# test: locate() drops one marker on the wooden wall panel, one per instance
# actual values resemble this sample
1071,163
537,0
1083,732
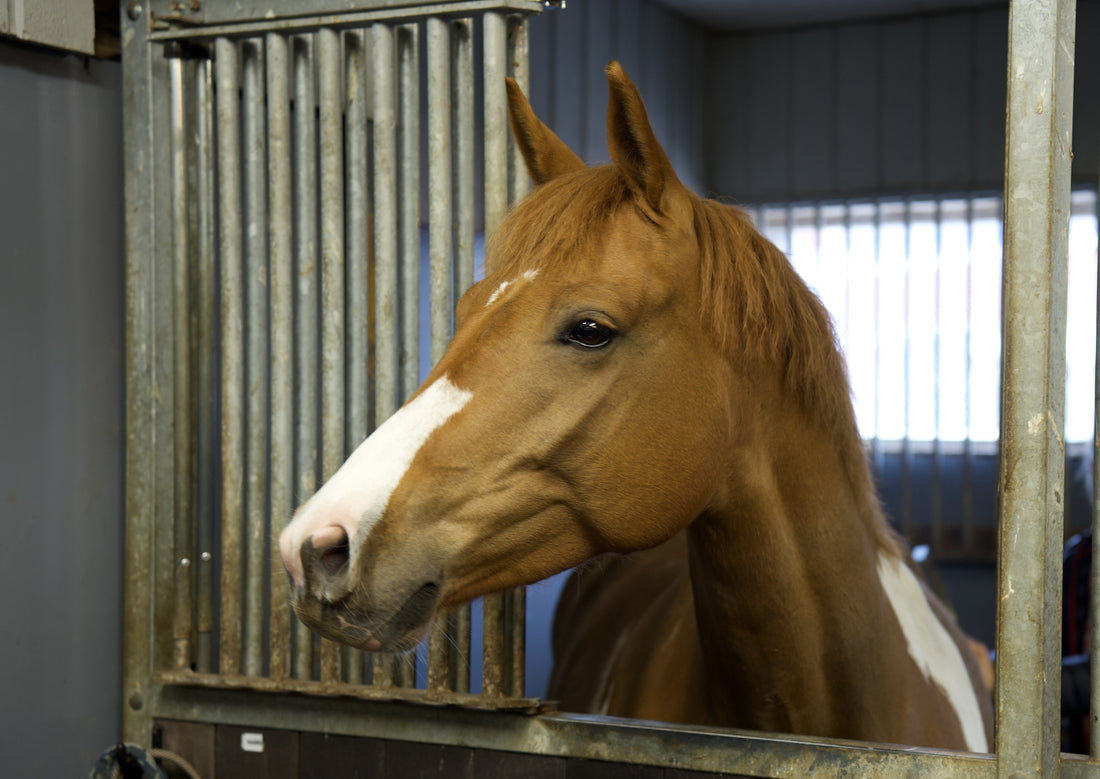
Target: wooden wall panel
272,754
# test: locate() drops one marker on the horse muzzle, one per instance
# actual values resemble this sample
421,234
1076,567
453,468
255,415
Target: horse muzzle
335,603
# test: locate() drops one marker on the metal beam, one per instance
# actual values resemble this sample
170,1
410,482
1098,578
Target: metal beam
1037,167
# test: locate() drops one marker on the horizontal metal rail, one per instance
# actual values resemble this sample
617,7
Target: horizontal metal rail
342,21
570,735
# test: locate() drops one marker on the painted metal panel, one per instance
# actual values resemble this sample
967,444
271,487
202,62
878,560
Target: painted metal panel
812,104
855,168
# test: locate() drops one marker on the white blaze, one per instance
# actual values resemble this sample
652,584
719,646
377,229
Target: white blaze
356,496
527,275
931,646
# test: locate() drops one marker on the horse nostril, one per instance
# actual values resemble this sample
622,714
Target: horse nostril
327,554
335,558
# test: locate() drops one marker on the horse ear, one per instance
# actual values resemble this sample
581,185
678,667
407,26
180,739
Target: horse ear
546,154
632,143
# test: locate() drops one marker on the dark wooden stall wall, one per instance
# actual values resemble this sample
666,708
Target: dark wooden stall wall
215,752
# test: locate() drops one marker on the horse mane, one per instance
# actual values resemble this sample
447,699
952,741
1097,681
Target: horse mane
755,304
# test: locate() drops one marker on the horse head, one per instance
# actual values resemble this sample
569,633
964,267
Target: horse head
579,408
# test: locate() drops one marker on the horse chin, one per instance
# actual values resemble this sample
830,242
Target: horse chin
342,621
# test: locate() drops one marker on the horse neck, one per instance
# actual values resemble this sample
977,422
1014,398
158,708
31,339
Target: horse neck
783,568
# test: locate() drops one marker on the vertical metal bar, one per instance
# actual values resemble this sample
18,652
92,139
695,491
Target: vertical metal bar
357,271
227,69
181,373
280,218
206,231
518,58
494,30
385,248
408,123
408,70
440,213
495,33
440,237
305,333
139,73
1094,601
969,535
332,279
937,368
255,265
462,201
1037,167
906,441
462,106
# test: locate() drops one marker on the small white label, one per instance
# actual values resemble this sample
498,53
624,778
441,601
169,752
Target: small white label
252,742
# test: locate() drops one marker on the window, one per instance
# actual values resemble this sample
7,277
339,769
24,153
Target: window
914,287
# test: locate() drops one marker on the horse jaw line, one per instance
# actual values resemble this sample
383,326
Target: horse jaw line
356,496
527,275
932,648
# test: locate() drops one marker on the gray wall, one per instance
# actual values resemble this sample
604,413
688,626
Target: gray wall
61,401
890,107
664,54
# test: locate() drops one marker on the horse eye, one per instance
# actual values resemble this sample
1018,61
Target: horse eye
590,334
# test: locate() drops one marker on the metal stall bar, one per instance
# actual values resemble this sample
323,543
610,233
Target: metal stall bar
280,245
256,286
462,202
332,279
305,332
495,35
1037,167
357,272
518,59
139,73
439,257
1094,579
385,249
206,229
227,68
407,318
183,443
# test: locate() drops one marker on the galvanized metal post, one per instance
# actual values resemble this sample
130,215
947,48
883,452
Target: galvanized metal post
232,350
496,202
1037,167
280,218
181,373
439,255
138,70
255,379
306,272
332,278
357,270
384,111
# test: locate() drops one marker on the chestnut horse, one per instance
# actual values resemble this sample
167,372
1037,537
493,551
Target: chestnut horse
642,370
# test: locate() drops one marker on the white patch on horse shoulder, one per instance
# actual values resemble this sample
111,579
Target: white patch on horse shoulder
931,646
527,275
357,494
